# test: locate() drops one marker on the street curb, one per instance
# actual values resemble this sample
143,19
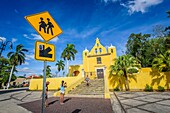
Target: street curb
12,90
116,105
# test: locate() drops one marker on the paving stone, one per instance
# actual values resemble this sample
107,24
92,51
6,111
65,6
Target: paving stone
164,102
132,102
156,108
136,110
148,99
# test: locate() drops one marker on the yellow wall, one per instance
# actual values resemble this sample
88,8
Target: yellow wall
73,68
147,76
36,84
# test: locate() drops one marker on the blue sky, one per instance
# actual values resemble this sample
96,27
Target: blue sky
81,21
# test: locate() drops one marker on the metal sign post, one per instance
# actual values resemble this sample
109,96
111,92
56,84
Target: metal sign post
48,29
44,87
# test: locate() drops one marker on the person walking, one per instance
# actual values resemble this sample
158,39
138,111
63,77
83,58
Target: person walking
46,94
62,91
87,79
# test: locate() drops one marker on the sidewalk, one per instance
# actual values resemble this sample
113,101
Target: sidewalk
132,102
30,102
143,102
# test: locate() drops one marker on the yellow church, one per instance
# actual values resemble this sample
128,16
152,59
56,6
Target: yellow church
96,62
96,65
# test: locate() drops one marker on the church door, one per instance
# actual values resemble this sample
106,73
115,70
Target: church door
100,73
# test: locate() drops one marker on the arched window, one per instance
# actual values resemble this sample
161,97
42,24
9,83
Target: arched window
97,45
111,50
100,50
99,60
96,51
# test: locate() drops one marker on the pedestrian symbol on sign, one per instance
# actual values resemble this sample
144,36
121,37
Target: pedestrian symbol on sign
47,27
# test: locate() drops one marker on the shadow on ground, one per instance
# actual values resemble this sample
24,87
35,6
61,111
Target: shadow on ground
72,105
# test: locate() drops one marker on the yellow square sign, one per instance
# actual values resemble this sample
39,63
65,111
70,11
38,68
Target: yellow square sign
44,51
45,25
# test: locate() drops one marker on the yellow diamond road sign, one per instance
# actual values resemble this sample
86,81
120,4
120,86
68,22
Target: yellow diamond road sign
45,25
44,51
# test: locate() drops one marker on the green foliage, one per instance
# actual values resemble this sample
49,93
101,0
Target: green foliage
116,89
148,88
60,65
136,46
132,70
168,12
17,57
161,89
119,71
48,71
69,75
21,76
69,52
162,62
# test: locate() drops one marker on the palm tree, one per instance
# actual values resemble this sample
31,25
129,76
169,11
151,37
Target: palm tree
121,67
16,58
60,65
69,53
48,71
162,62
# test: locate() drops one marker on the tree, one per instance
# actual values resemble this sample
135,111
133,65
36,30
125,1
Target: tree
60,65
168,12
136,46
121,67
48,71
162,62
159,31
69,53
167,29
16,58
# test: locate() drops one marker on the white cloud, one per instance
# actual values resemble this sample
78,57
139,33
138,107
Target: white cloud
25,70
34,37
29,57
38,37
83,34
26,36
3,38
106,1
16,11
140,5
26,63
14,40
55,39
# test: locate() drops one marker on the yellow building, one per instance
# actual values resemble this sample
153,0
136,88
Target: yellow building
97,61
96,64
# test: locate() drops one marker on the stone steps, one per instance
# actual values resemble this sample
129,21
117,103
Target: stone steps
96,87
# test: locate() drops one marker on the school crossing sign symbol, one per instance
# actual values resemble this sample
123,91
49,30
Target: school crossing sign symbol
44,51
45,25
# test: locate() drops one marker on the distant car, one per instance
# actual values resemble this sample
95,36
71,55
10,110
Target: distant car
25,84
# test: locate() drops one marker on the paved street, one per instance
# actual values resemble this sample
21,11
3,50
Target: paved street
132,102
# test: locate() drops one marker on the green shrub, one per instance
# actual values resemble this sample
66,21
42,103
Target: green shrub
148,88
132,70
161,89
116,89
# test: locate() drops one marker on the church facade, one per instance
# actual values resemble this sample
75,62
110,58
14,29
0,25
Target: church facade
96,62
